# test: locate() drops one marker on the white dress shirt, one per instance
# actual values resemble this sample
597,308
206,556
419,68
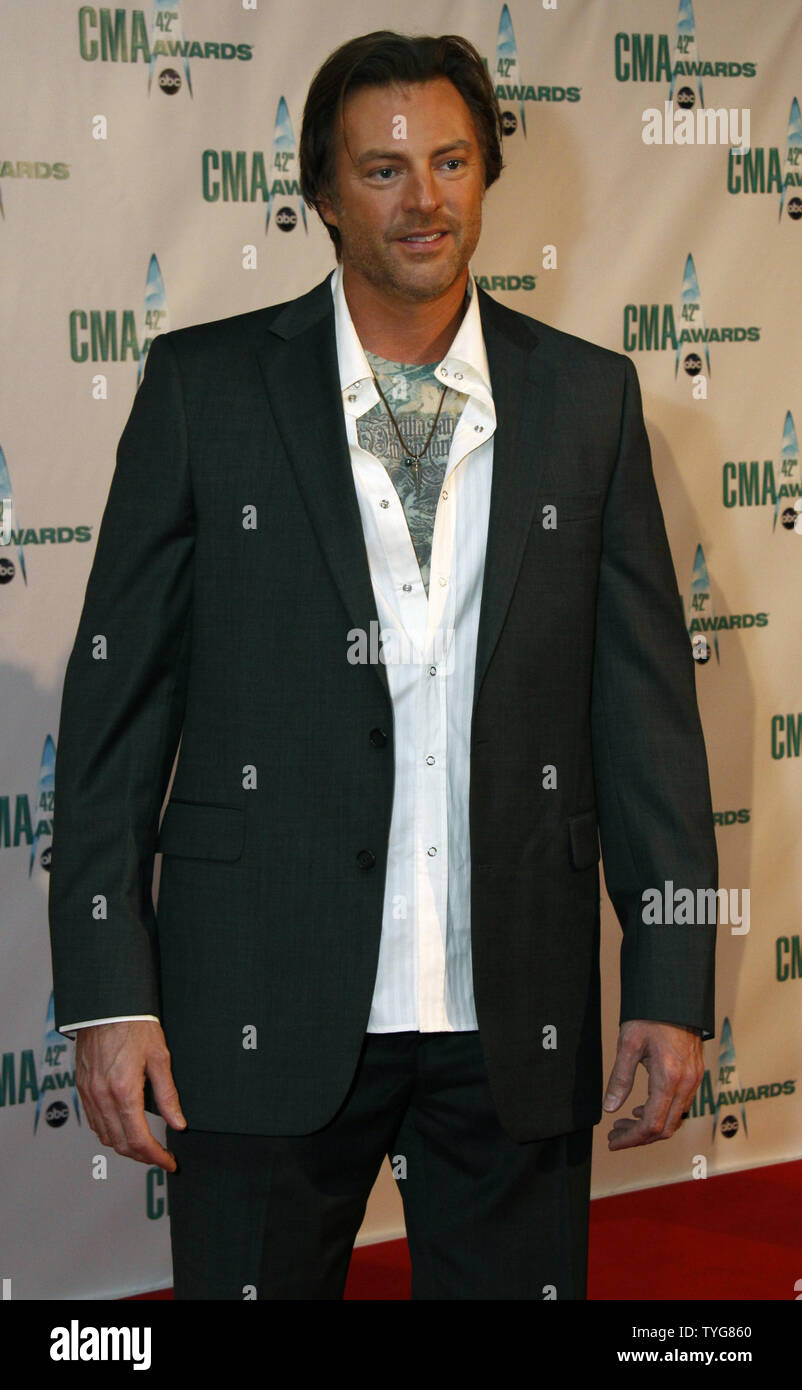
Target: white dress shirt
424,979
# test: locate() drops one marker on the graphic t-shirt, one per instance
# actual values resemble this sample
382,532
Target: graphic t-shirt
413,393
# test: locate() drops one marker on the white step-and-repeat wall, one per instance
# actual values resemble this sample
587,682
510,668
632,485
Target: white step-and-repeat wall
148,180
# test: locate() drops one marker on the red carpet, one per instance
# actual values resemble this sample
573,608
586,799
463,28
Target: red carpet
735,1236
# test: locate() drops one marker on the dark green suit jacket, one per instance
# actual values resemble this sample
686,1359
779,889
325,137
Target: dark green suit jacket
233,638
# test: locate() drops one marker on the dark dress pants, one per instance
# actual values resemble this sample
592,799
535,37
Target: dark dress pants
266,1217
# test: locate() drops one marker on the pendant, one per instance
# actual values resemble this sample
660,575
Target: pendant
415,464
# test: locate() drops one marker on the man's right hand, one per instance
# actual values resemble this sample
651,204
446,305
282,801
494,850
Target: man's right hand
111,1060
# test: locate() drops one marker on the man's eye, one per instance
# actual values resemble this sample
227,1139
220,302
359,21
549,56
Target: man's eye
386,170
455,161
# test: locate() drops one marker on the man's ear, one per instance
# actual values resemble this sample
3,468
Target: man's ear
326,209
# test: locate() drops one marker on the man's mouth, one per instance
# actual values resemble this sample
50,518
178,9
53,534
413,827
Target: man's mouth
424,236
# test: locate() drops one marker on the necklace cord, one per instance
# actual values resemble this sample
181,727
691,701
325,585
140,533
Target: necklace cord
411,458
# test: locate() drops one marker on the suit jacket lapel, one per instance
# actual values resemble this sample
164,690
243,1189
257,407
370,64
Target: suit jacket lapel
523,396
298,360
299,364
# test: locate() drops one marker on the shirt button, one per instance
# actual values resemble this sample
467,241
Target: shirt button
458,376
430,760
479,429
432,850
444,371
407,588
444,494
352,397
432,670
384,502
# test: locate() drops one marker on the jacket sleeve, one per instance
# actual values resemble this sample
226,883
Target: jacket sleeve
121,714
650,765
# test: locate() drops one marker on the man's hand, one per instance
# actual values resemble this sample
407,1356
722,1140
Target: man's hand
111,1060
672,1055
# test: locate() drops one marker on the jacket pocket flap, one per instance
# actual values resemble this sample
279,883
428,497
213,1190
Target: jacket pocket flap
573,506
584,832
200,830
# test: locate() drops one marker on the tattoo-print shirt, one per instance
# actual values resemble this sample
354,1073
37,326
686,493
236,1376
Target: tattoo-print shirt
413,394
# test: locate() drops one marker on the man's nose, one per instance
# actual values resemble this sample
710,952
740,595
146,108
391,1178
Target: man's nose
421,190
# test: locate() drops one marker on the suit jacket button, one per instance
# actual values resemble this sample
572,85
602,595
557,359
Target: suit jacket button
366,859
378,738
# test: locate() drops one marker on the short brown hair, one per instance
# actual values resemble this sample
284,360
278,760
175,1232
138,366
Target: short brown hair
383,59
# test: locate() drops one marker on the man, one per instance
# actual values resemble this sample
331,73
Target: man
389,559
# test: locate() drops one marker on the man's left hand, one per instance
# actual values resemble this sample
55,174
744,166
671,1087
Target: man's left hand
672,1055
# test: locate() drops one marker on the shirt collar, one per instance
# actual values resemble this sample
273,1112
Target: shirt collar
464,366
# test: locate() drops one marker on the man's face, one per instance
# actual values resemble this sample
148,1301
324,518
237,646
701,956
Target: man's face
412,165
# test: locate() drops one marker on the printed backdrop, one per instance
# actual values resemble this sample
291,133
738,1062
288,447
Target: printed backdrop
148,179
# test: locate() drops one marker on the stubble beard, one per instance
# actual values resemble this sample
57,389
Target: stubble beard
379,266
